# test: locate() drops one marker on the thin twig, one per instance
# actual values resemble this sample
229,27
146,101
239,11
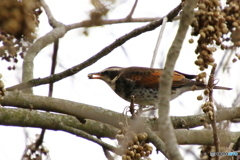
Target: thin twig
222,61
90,23
50,92
132,11
105,51
212,111
90,138
52,21
106,152
39,141
154,139
54,63
131,107
158,41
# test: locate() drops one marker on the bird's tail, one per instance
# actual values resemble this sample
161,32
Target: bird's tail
220,87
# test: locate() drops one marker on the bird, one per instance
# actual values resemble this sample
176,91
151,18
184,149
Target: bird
143,83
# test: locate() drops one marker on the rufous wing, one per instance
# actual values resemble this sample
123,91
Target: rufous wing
150,78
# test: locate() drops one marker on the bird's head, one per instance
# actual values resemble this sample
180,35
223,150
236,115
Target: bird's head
107,75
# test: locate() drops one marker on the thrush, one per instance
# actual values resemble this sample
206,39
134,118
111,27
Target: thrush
143,83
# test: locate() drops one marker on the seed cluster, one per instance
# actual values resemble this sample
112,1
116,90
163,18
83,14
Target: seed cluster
18,20
205,92
133,145
213,24
208,108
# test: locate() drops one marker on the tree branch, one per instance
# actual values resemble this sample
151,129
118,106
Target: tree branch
132,11
51,37
89,137
154,139
51,121
158,42
54,24
36,119
211,112
37,46
81,110
90,23
165,125
52,21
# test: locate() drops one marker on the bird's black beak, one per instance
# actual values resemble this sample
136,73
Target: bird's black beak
95,75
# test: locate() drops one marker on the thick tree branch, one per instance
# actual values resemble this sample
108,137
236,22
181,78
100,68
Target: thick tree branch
199,120
203,137
51,121
80,110
36,119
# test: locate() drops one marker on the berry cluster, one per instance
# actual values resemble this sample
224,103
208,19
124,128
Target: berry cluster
212,23
18,20
133,145
207,107
206,93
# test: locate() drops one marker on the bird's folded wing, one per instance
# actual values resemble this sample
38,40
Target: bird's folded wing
151,78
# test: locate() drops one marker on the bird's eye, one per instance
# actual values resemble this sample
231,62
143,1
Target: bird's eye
106,72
